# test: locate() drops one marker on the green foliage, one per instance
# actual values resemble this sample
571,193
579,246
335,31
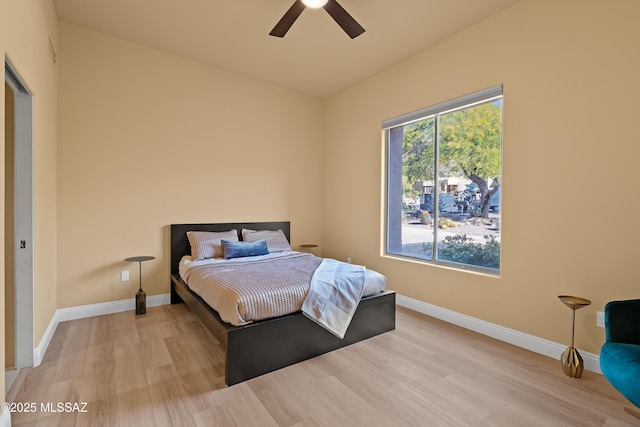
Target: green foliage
418,145
463,250
470,141
469,144
407,188
471,138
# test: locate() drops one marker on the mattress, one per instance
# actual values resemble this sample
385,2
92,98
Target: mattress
245,290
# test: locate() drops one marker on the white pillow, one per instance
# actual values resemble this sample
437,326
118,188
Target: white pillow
206,244
276,240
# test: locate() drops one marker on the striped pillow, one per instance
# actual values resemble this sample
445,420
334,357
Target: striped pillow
243,249
276,240
206,244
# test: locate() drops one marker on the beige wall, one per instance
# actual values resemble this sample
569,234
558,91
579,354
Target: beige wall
143,133
147,139
570,153
24,38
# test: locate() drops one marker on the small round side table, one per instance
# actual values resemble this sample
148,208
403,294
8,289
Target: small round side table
572,363
141,296
308,246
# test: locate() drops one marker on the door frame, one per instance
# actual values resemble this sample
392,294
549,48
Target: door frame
23,222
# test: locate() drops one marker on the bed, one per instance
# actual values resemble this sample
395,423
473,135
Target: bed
264,346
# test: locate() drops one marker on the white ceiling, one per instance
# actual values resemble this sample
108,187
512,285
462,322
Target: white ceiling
315,57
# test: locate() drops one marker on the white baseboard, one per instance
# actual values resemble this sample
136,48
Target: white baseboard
511,336
91,310
5,419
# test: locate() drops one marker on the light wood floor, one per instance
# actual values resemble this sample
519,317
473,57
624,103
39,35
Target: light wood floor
164,369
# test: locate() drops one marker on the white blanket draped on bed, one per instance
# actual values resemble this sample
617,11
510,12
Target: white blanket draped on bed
335,291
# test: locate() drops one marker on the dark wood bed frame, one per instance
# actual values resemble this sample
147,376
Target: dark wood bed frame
268,345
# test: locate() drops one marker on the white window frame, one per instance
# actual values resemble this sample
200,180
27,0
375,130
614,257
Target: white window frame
480,97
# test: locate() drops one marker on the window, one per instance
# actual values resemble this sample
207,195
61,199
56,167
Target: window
446,156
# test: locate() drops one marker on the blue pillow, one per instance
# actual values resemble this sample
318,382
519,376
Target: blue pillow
232,249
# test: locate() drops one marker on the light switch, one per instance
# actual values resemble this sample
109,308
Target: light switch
124,276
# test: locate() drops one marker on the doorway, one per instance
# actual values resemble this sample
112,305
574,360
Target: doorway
19,221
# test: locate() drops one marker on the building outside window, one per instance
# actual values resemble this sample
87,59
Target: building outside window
446,156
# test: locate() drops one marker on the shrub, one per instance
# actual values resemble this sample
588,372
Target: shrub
475,210
446,223
425,218
462,249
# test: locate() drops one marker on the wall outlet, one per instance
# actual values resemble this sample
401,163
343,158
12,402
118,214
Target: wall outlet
124,276
349,260
600,319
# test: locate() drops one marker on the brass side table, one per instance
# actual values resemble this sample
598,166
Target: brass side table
308,246
141,296
572,363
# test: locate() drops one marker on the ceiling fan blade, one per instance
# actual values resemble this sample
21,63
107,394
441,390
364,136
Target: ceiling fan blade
342,17
288,19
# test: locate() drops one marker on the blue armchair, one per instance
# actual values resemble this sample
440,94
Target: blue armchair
620,354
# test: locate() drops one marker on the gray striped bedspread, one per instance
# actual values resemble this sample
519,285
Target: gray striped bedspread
245,290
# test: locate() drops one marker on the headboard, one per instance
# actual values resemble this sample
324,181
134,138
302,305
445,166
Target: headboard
180,244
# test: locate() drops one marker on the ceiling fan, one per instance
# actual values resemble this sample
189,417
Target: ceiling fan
337,12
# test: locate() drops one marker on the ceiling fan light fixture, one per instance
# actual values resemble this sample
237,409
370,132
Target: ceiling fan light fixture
314,4
332,7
